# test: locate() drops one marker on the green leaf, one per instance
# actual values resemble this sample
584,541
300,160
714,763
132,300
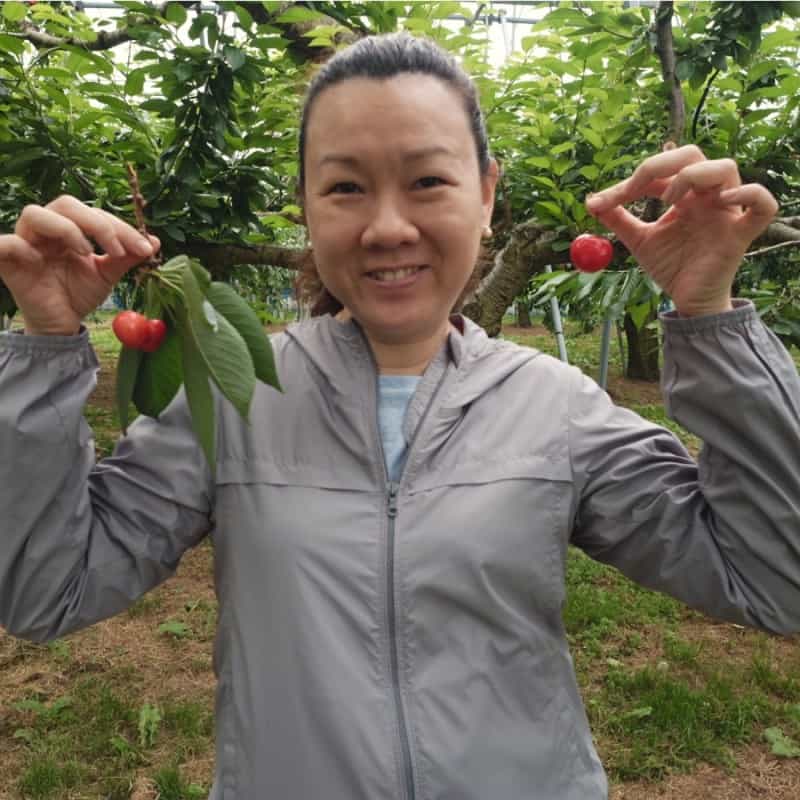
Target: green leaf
160,376
14,12
12,44
14,166
684,69
176,14
176,628
127,370
782,745
298,14
592,137
546,208
134,83
562,148
224,351
201,275
234,56
198,393
225,300
539,161
640,313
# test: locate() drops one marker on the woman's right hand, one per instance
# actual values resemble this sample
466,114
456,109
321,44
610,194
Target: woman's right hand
50,266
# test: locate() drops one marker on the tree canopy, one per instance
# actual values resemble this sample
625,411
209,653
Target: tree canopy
205,105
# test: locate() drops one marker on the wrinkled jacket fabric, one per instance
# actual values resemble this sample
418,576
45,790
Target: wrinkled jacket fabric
382,640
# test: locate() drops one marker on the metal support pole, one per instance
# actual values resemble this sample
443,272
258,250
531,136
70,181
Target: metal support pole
555,311
605,346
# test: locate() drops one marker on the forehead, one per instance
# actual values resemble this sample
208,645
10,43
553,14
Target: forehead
407,110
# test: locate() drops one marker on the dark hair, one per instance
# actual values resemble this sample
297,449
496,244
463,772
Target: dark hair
381,57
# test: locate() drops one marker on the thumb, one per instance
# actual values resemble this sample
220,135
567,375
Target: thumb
624,225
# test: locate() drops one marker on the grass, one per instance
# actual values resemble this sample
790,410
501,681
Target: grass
662,694
132,699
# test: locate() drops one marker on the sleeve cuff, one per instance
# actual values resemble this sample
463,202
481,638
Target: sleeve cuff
743,312
19,341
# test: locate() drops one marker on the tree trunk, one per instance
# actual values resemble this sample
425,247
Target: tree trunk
527,251
523,314
643,351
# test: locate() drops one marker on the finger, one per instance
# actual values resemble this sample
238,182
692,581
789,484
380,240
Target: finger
705,176
664,165
36,222
14,250
760,207
93,221
112,268
130,238
627,228
653,189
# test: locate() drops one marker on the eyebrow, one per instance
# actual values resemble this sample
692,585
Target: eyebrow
413,155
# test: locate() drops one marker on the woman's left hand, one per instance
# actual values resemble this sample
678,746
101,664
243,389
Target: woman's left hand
694,249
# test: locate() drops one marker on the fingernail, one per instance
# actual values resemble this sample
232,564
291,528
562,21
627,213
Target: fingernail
595,201
142,247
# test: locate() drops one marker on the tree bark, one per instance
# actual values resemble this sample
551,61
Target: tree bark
643,351
523,314
219,259
527,251
643,346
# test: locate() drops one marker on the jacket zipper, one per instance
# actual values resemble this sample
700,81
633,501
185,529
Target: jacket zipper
392,489
391,511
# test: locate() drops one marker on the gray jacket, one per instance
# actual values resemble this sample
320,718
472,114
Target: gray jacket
382,640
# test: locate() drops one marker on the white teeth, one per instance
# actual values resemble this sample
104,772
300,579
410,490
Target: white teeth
394,274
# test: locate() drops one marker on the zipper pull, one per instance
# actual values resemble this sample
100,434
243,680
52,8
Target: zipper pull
392,500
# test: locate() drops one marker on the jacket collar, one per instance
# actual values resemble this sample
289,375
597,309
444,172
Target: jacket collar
341,353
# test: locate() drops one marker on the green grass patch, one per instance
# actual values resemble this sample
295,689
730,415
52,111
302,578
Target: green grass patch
97,736
607,615
583,349
656,722
171,786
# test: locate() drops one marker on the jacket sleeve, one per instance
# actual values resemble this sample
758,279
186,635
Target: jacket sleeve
722,534
81,541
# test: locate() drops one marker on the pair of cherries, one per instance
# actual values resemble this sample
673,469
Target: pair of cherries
138,332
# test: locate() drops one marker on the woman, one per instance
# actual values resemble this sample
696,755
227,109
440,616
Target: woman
391,531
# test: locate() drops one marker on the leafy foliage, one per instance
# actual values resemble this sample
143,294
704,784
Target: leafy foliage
206,106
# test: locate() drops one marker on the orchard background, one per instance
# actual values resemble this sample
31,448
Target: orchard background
203,100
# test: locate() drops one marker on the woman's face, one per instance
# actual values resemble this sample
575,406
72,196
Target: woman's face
394,201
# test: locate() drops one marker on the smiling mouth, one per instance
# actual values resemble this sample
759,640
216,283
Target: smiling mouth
390,275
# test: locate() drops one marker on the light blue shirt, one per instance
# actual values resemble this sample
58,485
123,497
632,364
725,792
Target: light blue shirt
394,394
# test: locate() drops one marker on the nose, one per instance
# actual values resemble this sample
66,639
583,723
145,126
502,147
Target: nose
389,225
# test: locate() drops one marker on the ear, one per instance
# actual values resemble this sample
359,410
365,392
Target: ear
488,186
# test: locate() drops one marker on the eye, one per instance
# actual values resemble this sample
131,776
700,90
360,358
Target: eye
344,187
429,182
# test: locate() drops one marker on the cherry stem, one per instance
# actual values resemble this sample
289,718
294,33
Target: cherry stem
153,262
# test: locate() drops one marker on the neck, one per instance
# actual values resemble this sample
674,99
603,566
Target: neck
408,358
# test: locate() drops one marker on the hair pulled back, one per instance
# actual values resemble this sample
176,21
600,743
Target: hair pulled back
381,57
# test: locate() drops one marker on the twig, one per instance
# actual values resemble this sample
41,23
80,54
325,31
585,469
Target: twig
772,247
696,117
138,209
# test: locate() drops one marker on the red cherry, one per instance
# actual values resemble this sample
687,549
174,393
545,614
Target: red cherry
590,253
155,332
130,327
